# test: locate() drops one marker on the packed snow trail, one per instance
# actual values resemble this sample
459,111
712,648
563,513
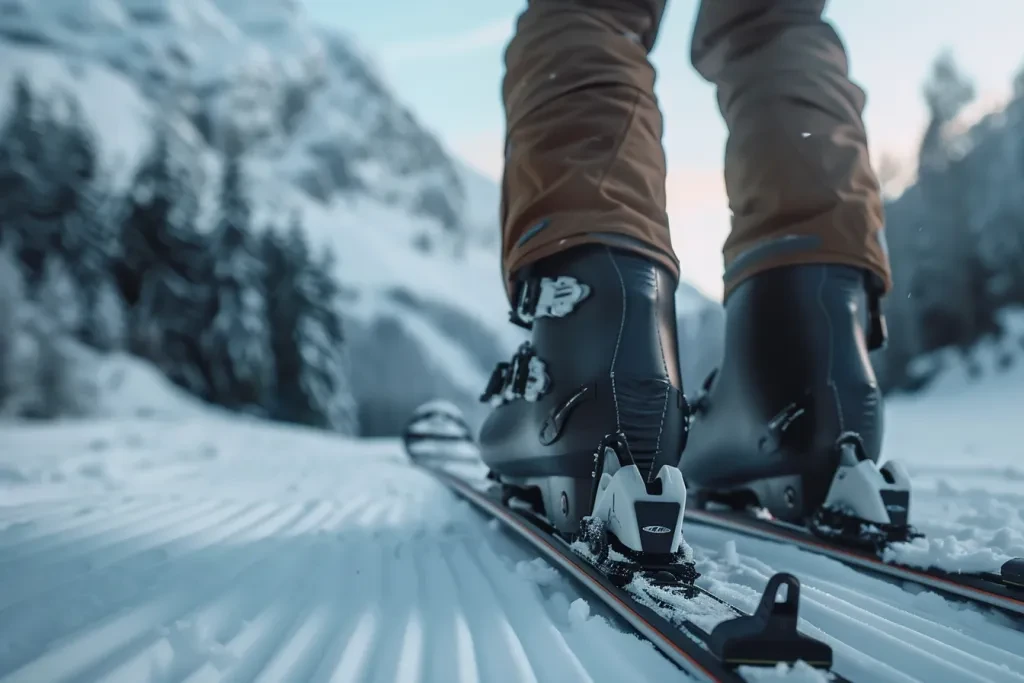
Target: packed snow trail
225,550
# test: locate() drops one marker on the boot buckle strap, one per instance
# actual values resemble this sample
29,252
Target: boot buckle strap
545,297
524,377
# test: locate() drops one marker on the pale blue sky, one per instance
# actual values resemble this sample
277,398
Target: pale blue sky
445,61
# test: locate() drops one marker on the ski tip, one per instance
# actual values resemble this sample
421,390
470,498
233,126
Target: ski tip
437,430
1012,572
438,406
769,636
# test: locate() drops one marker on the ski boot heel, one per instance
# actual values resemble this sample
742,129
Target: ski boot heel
769,635
867,506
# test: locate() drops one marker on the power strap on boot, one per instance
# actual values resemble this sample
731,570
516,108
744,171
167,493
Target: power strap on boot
545,297
524,377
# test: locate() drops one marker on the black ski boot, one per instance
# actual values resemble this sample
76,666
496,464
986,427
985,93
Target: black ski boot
792,421
593,406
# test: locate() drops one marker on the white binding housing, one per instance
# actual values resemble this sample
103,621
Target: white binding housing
619,490
857,490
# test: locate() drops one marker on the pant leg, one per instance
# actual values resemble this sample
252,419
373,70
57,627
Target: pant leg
797,172
584,162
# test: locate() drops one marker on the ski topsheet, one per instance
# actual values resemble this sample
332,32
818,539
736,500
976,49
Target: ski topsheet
1003,590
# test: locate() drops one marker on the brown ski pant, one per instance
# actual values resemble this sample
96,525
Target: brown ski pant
584,162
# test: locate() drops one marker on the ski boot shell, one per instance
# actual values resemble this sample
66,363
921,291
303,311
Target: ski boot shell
792,422
602,360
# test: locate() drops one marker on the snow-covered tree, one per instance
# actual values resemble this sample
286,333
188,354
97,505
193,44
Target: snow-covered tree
306,335
21,144
237,344
105,324
951,276
160,216
164,264
12,314
324,377
57,296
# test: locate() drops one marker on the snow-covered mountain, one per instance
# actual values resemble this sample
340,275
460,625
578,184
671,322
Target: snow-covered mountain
415,230
301,96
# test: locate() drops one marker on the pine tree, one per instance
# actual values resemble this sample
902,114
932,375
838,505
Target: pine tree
161,215
51,196
949,279
12,304
283,263
21,147
26,191
148,207
164,264
70,161
325,376
237,344
88,236
104,324
307,335
57,296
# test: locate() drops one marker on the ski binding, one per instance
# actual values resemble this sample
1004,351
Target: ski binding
866,506
636,526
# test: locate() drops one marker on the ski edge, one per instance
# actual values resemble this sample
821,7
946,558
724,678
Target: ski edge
966,588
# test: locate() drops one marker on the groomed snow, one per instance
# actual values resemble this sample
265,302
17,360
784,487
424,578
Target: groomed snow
173,553
195,547
963,440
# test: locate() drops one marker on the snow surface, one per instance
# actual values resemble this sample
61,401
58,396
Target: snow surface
193,546
963,442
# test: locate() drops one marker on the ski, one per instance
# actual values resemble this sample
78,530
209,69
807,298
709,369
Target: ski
1003,590
865,512
657,599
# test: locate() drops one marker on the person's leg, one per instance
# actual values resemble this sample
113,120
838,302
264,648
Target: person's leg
795,398
584,162
588,262
799,181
